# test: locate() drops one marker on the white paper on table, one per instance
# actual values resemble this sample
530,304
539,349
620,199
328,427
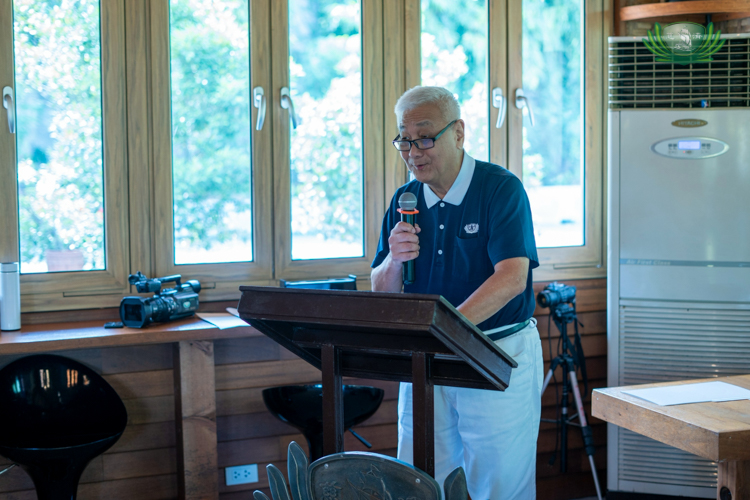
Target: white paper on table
702,392
221,320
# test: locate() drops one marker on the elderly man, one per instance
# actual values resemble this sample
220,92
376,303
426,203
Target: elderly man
473,244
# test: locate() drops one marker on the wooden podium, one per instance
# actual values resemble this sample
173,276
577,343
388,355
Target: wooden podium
414,338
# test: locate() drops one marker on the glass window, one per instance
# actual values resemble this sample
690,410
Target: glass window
59,135
454,46
211,131
553,166
325,67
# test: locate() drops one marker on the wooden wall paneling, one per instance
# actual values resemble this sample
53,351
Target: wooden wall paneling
195,419
119,360
148,436
244,350
145,410
142,463
8,190
266,374
142,488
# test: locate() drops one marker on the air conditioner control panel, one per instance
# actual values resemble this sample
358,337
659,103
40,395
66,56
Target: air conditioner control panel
690,148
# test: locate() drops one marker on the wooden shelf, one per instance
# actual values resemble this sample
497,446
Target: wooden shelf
721,10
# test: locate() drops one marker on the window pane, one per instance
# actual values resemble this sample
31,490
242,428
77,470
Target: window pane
60,162
325,66
211,114
553,148
455,42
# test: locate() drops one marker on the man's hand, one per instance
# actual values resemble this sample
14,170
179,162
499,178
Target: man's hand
403,244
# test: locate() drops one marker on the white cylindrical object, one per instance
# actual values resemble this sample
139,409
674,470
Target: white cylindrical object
10,296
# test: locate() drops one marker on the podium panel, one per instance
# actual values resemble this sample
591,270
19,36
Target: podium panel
414,338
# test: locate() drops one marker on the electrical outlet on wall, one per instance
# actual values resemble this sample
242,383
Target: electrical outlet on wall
241,474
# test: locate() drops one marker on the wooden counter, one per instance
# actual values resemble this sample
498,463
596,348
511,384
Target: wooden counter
92,334
194,381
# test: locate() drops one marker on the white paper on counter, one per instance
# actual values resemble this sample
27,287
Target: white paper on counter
221,320
702,392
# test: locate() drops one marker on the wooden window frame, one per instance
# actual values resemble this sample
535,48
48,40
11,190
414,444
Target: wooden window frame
589,260
219,281
373,138
80,289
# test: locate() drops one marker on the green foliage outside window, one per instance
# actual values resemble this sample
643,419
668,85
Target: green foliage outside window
59,136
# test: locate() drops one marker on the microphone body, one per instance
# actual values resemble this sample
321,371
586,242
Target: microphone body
409,274
408,210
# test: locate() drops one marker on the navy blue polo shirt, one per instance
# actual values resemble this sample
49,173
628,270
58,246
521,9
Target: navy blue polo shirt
460,244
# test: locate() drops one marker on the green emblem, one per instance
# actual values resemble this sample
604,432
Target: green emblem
683,43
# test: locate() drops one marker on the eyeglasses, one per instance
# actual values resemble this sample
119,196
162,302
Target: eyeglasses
426,143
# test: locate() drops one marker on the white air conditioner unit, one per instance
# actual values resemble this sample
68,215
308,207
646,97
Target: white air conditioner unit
679,241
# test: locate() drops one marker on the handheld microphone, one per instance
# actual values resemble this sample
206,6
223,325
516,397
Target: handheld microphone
408,210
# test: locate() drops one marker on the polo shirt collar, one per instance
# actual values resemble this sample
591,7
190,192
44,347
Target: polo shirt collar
456,193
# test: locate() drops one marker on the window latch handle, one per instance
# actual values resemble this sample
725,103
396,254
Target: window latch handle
287,103
501,103
259,101
8,104
523,102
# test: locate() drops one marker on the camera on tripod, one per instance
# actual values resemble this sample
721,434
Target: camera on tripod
556,294
166,305
561,300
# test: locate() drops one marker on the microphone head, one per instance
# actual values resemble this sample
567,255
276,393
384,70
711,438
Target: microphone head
407,201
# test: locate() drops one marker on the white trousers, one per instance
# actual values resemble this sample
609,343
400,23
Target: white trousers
491,434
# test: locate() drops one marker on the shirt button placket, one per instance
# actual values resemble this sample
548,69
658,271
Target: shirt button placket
441,237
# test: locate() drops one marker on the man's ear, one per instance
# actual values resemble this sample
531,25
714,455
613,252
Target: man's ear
459,134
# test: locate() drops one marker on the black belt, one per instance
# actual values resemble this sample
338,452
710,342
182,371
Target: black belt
509,331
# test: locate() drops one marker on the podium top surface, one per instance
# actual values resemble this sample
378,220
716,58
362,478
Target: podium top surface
377,332
717,431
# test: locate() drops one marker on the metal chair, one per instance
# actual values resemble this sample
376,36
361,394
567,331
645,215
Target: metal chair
56,415
356,475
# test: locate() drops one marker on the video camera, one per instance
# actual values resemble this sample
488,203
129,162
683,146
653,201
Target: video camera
555,294
166,305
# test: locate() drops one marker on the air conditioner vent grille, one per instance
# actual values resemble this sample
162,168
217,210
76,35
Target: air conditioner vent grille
661,343
636,80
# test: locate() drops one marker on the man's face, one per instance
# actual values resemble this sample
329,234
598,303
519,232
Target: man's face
438,166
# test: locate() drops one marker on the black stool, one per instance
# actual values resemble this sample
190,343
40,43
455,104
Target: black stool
302,407
56,415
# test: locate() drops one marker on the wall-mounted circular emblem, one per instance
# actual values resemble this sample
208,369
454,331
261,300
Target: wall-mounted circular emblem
689,123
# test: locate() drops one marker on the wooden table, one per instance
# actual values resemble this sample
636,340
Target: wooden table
717,431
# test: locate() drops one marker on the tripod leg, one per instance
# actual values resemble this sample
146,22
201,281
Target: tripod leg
552,367
547,379
588,438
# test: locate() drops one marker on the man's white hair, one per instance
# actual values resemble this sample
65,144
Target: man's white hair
419,96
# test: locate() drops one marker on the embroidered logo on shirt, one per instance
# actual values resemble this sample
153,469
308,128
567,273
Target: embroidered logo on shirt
471,228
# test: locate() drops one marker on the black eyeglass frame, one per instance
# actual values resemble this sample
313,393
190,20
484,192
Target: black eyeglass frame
415,141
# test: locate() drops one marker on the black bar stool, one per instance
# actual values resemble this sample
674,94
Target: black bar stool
302,407
56,415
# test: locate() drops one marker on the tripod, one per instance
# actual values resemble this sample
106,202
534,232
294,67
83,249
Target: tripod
569,359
